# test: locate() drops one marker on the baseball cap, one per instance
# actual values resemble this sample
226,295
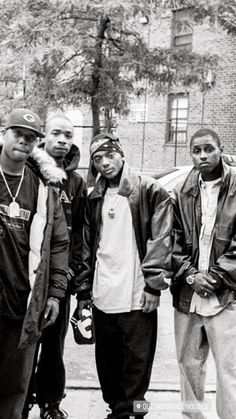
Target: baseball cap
24,118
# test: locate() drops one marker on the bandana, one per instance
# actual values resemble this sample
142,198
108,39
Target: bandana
105,142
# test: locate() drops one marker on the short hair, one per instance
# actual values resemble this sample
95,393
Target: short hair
55,115
206,131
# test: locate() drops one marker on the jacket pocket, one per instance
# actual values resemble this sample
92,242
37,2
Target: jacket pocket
223,233
220,247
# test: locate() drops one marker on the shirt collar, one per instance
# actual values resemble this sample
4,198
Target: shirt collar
202,182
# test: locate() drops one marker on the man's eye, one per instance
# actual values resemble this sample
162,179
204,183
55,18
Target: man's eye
28,137
68,136
18,132
196,150
209,149
31,138
97,160
110,156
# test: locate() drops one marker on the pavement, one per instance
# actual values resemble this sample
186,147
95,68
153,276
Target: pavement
83,394
82,403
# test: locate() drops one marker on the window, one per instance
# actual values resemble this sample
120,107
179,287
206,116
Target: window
183,40
182,31
138,112
178,118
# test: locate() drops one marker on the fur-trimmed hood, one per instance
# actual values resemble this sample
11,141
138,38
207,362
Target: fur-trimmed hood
71,160
45,166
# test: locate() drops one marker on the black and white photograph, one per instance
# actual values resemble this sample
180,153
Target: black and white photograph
117,209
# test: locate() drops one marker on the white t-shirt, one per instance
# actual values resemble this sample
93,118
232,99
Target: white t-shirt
209,306
118,280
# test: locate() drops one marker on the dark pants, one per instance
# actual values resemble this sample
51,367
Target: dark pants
125,348
48,376
15,368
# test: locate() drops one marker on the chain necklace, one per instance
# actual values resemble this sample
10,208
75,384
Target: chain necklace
14,207
111,212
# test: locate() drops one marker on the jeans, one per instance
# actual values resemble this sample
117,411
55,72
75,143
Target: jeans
194,335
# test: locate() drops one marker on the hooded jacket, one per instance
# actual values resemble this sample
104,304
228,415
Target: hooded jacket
48,254
187,225
151,211
76,190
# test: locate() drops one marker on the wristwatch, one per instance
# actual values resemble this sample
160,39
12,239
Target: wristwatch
190,279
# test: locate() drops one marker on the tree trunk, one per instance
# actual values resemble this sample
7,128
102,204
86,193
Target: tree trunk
102,27
108,120
95,115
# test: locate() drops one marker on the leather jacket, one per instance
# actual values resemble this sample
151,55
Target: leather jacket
152,216
186,230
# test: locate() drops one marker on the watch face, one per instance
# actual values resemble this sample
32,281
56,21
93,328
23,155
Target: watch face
190,279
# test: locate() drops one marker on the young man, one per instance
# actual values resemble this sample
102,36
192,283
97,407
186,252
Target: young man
204,285
126,257
49,380
34,258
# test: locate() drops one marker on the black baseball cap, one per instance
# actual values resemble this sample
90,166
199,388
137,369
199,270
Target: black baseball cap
24,118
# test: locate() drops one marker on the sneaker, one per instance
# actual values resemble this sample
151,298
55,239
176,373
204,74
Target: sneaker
52,411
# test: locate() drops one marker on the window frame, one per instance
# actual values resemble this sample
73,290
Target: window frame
182,44
172,139
177,17
138,112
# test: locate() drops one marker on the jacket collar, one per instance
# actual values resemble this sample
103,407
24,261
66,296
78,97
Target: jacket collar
71,160
45,167
127,183
191,183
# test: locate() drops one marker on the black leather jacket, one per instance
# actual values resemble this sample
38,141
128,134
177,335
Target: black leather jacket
187,224
152,215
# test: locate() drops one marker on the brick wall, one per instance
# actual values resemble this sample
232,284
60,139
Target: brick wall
145,144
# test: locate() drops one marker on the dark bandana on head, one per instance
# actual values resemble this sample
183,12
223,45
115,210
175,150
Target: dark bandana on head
105,142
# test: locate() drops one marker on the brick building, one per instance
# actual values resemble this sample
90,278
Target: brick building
157,131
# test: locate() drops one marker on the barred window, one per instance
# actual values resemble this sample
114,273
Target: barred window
178,118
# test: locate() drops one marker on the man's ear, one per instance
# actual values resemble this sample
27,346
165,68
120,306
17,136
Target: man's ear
3,131
221,148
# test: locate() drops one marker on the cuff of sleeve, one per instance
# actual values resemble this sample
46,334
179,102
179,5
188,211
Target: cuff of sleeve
57,293
151,290
83,296
218,278
76,269
54,298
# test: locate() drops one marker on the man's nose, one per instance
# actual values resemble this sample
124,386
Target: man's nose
203,155
62,139
23,139
105,161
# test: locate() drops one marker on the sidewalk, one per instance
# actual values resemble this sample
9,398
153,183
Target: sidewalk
84,399
80,359
81,403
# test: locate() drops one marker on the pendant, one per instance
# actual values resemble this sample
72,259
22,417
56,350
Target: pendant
14,209
111,213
